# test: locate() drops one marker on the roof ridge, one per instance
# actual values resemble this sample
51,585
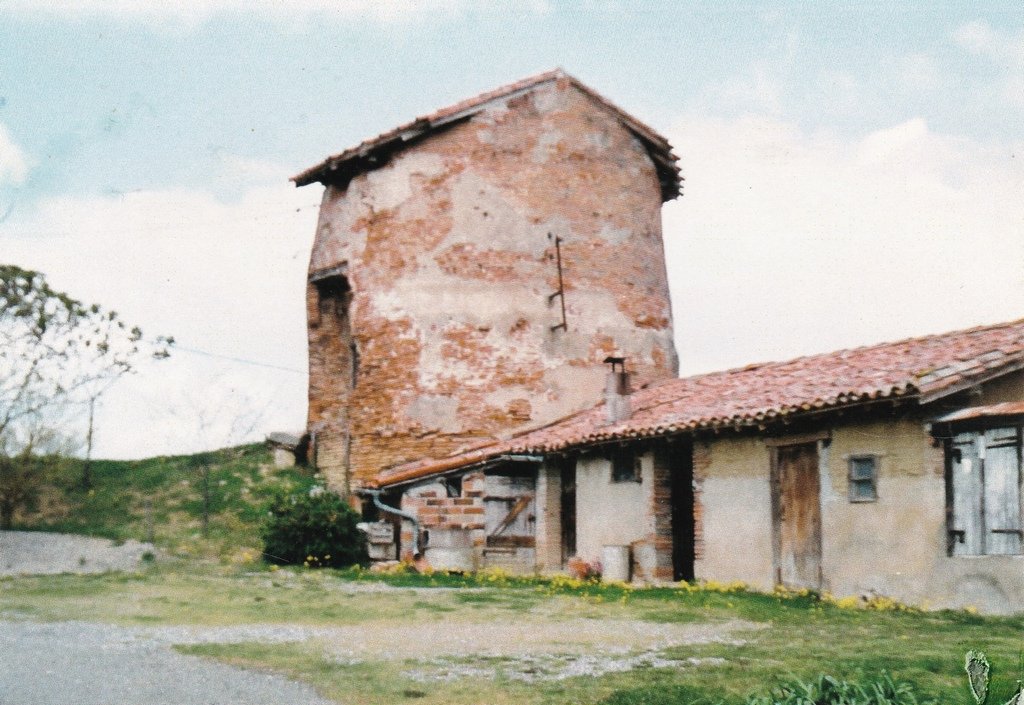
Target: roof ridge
373,151
832,353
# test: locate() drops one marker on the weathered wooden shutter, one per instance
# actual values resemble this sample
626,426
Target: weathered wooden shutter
1002,492
967,532
510,521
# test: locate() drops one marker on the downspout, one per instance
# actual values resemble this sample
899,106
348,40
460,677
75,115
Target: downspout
375,495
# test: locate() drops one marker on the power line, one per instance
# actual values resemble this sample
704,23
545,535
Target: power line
243,361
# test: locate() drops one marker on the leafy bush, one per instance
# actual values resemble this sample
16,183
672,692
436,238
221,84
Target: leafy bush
314,528
826,690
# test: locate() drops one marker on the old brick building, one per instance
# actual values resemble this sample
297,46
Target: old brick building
473,269
892,469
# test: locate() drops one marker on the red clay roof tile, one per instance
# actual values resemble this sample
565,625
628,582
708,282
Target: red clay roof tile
375,151
924,368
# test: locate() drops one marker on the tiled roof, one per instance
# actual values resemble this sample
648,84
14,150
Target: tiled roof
375,152
923,369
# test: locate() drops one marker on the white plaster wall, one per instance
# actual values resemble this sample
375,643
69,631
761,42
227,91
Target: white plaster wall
611,513
895,546
737,530
736,518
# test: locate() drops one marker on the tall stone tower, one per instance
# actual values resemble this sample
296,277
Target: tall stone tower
473,269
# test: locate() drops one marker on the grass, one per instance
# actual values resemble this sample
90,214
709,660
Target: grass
797,635
788,635
163,497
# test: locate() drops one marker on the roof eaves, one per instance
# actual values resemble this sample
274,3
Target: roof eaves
960,383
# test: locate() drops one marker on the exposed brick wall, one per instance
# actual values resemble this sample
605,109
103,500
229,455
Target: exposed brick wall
447,252
436,510
701,465
661,511
549,517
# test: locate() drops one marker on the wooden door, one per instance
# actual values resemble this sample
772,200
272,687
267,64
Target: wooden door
796,510
510,521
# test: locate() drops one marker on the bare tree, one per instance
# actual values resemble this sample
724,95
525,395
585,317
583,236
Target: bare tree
55,352
214,420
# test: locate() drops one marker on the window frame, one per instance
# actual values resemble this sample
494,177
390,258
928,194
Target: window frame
628,456
951,456
852,481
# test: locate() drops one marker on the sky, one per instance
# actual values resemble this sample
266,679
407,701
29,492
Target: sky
853,170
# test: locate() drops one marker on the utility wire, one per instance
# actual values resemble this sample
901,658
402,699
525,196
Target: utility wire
243,361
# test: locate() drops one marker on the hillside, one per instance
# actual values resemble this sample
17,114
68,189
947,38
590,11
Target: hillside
161,499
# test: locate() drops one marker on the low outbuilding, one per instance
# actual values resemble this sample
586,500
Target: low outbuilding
891,469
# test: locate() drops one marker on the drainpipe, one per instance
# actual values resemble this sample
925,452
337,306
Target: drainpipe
375,495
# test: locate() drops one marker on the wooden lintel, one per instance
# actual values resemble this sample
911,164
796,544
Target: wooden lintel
793,440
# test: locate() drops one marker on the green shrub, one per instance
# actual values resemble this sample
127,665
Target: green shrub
313,528
826,690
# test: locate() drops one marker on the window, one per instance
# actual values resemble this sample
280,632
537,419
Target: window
984,492
863,478
625,466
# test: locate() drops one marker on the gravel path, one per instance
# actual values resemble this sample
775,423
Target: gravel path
37,552
98,664
385,641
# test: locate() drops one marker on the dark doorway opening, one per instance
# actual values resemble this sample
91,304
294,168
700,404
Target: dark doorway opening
683,519
568,513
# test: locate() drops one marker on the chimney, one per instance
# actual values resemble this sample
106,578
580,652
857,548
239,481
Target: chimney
617,391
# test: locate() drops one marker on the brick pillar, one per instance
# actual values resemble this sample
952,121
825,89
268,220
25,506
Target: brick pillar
661,511
701,464
549,518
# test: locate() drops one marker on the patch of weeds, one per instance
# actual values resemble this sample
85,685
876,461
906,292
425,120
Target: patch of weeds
826,690
413,693
672,616
478,597
432,606
658,694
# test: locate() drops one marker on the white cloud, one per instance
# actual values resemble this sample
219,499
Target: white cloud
980,38
197,11
13,165
1003,49
787,242
226,279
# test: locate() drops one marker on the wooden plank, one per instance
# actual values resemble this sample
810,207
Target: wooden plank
967,530
517,508
797,510
511,542
801,439
1002,492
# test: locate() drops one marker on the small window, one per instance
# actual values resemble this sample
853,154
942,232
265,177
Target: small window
453,485
625,466
863,478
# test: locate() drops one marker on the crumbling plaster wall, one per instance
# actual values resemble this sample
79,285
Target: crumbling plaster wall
447,252
634,514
